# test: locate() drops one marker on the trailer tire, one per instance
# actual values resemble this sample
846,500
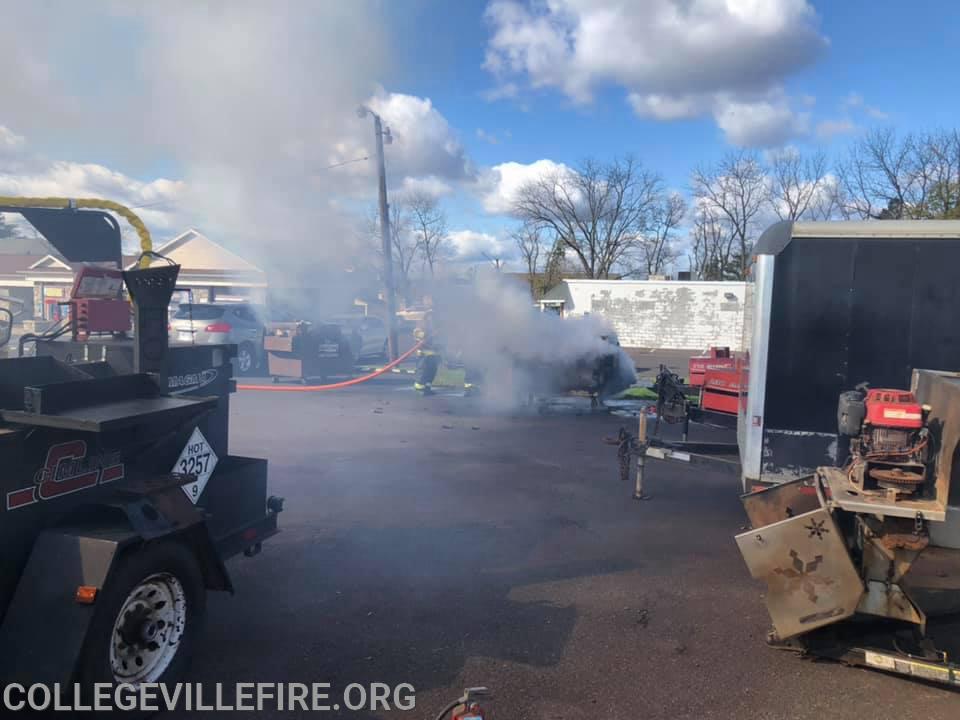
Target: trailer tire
131,641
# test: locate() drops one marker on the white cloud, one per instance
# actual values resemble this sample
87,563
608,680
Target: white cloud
487,137
429,185
761,123
675,60
424,143
10,142
498,187
853,100
473,246
25,174
666,107
829,128
501,92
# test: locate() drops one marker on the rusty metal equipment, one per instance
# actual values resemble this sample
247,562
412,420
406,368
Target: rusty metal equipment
876,539
304,350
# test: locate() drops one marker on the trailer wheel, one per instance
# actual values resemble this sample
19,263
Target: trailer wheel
147,618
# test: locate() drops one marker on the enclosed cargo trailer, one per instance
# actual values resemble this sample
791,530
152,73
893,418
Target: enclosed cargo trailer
836,304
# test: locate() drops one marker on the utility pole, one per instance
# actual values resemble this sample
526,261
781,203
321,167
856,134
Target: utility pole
390,298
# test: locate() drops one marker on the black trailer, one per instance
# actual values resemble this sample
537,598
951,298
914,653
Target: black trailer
835,304
119,498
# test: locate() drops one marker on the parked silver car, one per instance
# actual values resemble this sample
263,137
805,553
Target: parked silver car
366,334
216,323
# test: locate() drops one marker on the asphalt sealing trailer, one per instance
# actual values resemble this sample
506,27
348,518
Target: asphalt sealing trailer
119,498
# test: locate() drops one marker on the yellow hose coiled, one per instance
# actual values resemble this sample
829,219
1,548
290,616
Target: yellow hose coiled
146,244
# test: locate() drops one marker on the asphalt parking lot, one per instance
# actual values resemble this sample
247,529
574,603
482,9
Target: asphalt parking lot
428,542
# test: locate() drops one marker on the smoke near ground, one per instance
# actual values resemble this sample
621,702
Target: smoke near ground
493,326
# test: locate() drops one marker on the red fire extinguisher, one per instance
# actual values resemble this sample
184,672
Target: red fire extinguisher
470,712
466,706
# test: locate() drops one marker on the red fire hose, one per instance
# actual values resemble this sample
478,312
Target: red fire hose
333,386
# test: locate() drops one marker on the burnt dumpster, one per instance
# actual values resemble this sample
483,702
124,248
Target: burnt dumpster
304,350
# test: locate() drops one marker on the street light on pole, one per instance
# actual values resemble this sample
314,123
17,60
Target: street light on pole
380,135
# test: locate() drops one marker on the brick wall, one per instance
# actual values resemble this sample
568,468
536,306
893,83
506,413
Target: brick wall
664,314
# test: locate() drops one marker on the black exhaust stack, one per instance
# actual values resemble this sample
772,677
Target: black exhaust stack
150,289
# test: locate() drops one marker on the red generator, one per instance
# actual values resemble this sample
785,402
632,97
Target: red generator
719,376
97,304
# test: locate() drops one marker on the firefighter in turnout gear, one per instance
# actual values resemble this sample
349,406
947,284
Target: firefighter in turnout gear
428,356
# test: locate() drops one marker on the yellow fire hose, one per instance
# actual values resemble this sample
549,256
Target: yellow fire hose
146,244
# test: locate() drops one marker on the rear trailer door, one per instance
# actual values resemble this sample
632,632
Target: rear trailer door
845,311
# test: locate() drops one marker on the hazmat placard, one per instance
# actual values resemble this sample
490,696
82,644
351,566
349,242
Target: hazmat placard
199,459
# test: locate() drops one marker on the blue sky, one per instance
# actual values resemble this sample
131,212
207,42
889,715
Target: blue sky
899,61
223,115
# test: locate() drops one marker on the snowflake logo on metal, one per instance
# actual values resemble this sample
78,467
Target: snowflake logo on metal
816,527
800,575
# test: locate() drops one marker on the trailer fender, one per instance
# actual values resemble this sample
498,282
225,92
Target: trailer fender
167,513
44,624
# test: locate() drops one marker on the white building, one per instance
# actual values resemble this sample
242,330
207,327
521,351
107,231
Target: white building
211,272
660,314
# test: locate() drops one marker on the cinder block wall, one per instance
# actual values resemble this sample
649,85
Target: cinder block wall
672,315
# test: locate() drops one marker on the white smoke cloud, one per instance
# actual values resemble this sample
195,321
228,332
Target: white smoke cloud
519,349
251,101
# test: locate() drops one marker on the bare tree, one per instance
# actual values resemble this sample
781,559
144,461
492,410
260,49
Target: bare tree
734,191
497,262
712,248
826,204
656,248
877,175
884,176
598,211
941,152
429,223
529,240
404,243
556,264
798,184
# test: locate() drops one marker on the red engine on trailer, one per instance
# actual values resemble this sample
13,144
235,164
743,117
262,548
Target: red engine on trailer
888,439
97,304
893,409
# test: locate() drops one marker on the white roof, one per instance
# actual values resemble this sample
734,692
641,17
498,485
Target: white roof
878,228
193,250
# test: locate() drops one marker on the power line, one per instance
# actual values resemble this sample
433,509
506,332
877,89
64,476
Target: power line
345,162
328,167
